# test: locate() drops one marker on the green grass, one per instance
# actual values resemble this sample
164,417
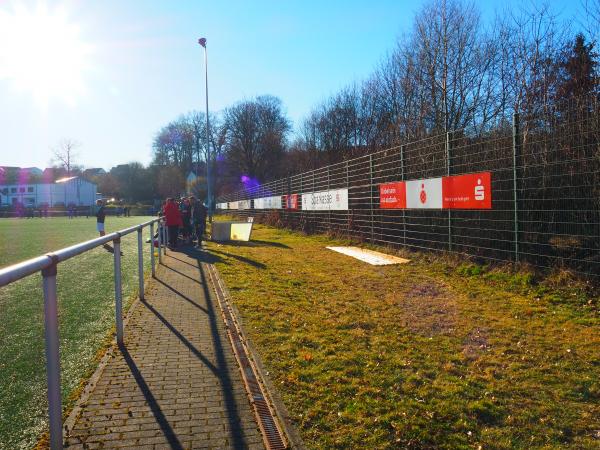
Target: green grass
432,354
86,309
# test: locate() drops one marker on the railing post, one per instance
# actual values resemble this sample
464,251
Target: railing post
516,162
160,241
152,262
52,355
140,263
448,171
118,289
166,239
402,175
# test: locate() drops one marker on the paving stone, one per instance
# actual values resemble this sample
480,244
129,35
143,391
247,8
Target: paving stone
175,383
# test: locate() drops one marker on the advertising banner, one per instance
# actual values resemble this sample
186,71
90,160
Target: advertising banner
290,201
268,203
392,195
244,204
424,194
472,191
232,205
221,205
333,200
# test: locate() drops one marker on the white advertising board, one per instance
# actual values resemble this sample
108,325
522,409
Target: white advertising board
333,200
232,205
244,204
268,202
221,205
424,194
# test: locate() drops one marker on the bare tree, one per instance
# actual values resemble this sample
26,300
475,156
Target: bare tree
65,154
256,132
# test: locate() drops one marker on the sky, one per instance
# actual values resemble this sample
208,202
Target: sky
108,75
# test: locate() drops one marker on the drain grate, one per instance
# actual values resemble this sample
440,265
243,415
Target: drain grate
273,436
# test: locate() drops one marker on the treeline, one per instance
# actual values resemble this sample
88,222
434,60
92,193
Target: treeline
451,71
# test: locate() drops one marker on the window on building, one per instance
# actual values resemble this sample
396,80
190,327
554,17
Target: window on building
13,190
30,189
21,189
30,201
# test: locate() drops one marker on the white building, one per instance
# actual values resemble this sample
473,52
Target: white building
66,191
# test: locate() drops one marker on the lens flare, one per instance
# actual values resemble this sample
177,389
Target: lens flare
41,53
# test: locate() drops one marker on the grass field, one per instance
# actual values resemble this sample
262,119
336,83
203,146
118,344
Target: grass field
86,308
432,354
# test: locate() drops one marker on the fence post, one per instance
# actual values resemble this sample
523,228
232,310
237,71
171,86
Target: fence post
140,263
328,189
52,355
402,176
448,171
118,289
348,214
516,141
371,194
152,263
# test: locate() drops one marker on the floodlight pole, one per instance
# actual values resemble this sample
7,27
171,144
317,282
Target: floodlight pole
202,42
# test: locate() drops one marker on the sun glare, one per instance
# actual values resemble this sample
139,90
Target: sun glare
42,54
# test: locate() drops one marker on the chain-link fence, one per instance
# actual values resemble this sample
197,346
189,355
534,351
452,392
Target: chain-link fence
544,182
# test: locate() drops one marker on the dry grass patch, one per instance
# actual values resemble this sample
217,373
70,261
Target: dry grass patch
424,355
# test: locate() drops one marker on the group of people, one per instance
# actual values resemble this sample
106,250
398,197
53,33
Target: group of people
186,218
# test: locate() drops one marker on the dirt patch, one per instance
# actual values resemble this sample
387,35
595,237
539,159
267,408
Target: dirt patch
428,309
475,343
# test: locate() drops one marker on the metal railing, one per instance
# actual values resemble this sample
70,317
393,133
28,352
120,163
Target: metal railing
48,266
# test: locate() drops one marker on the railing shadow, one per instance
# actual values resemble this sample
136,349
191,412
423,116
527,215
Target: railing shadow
152,403
221,368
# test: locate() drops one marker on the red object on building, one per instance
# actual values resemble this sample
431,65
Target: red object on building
290,201
472,191
392,195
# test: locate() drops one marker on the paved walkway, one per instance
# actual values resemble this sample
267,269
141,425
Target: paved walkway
175,383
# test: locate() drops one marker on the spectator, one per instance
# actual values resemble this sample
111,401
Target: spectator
172,220
199,213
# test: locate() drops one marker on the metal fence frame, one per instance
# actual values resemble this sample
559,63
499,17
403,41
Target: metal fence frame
47,265
545,168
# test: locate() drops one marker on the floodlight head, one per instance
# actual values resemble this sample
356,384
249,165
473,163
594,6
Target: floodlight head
202,42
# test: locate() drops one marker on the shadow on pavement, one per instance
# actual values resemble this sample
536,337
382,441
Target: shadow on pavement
152,403
221,369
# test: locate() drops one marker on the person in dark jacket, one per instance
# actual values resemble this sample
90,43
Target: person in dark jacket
100,217
199,213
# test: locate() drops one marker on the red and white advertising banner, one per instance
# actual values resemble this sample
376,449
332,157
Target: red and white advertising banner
424,194
290,201
471,191
392,195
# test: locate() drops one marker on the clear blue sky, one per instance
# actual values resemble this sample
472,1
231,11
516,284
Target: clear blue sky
141,66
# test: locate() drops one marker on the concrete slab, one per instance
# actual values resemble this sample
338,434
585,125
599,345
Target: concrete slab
369,256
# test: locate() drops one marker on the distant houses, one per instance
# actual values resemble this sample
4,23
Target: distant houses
33,187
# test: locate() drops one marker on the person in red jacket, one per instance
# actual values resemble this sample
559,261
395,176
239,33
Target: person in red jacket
172,220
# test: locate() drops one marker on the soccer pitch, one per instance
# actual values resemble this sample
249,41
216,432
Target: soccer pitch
86,314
